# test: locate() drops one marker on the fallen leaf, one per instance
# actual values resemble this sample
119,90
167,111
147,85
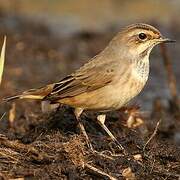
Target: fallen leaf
12,114
128,174
138,157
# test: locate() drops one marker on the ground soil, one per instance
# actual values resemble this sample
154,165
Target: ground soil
34,145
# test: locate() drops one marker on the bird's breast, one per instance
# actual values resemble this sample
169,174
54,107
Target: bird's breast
140,69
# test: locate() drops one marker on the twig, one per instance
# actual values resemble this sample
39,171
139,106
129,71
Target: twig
96,171
170,75
152,136
103,155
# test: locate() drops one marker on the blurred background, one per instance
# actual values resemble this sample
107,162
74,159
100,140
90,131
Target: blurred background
49,39
69,16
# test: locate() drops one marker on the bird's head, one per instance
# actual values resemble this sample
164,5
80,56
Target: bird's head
137,40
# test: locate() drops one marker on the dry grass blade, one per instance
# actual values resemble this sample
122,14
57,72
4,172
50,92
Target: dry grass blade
2,58
153,134
3,116
98,172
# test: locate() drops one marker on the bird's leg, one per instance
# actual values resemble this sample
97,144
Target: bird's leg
101,120
78,112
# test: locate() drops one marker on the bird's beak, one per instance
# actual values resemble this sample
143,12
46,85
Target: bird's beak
166,40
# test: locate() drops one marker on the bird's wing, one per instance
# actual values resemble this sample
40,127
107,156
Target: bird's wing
89,77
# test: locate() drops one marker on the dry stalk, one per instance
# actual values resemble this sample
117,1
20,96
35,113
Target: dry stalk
170,74
153,135
99,172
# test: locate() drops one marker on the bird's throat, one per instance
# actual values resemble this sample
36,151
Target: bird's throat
140,68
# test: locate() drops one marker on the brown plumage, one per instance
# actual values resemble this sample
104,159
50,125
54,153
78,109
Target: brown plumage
110,79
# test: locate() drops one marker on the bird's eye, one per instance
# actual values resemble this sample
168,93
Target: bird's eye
142,36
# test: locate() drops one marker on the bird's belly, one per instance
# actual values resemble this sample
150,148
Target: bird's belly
127,92
110,97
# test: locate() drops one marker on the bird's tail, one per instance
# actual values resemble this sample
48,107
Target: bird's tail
37,94
11,98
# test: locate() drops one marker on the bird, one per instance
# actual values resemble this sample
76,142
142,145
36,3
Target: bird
107,81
